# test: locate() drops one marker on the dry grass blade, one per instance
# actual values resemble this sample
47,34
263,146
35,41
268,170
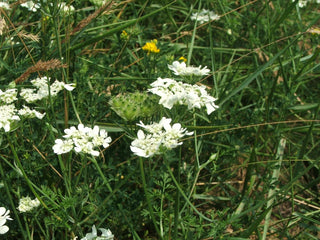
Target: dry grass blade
41,66
92,16
25,35
3,25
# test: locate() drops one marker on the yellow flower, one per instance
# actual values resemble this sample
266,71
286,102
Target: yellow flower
124,35
151,47
183,59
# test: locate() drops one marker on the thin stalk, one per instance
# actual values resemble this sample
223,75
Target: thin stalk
11,202
101,174
193,38
275,176
196,140
177,202
27,228
29,183
184,195
143,177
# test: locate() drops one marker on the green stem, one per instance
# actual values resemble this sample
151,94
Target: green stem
177,203
101,173
275,177
143,177
184,195
11,202
196,140
29,183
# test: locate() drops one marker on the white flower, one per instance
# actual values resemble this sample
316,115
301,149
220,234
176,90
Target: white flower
66,8
31,6
26,204
8,96
42,89
205,16
28,113
106,234
172,92
159,138
8,114
146,145
82,140
5,5
61,146
4,216
182,69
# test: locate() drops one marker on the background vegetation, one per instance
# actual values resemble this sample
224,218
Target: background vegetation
251,171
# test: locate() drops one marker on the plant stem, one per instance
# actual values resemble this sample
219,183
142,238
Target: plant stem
11,201
275,176
143,177
101,173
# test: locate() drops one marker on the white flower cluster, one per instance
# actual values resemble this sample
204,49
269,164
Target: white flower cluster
303,3
8,111
159,138
172,92
5,5
205,16
42,89
65,8
31,6
106,234
26,204
182,70
83,139
4,216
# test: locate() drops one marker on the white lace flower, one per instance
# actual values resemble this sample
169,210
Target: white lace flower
106,234
42,89
172,92
82,140
61,146
31,6
30,113
4,216
8,96
145,145
8,114
66,8
159,138
26,204
205,16
5,5
180,68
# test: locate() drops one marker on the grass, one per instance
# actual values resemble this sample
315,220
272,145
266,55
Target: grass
249,171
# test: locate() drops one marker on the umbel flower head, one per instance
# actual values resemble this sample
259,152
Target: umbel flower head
26,204
134,105
41,89
158,138
172,92
151,47
106,234
205,16
180,68
9,114
4,216
82,140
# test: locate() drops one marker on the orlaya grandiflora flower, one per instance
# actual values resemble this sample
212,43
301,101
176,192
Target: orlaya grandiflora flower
4,216
181,69
172,92
82,140
158,138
